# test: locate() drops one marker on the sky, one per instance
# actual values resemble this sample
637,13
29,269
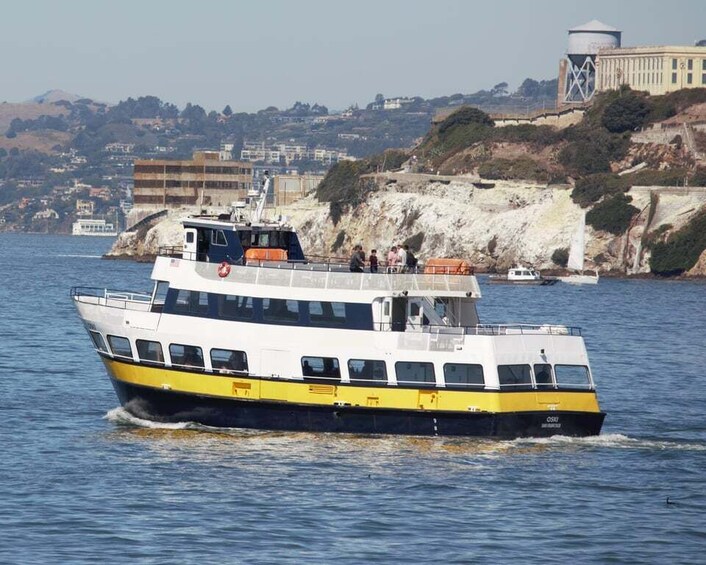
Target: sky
255,54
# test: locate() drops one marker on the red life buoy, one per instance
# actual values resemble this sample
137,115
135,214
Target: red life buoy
224,269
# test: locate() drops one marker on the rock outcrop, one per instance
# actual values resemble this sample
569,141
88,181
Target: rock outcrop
492,227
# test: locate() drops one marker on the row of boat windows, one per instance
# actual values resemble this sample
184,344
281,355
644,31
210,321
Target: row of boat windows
328,369
269,310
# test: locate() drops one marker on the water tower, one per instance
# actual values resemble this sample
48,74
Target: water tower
577,73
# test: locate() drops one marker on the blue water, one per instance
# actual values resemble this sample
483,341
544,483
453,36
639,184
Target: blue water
82,482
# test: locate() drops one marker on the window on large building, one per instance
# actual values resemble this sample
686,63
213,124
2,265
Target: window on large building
674,64
674,78
690,64
689,78
703,78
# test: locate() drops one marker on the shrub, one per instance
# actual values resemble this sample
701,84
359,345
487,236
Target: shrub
521,168
651,177
338,243
612,214
682,250
465,116
699,177
560,256
626,113
592,188
492,245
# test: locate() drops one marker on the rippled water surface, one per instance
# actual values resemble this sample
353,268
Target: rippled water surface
82,481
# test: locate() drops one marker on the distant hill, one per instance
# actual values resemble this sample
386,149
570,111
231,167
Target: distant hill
52,96
26,111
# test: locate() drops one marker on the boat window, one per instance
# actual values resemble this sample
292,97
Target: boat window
321,367
414,372
572,376
327,313
120,346
229,361
414,309
235,307
543,375
189,237
464,374
191,302
186,355
516,377
218,237
98,341
280,310
150,351
367,370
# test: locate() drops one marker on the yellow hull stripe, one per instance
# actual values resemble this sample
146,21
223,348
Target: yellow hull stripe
298,392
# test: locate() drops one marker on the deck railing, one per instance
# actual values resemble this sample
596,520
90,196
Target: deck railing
124,299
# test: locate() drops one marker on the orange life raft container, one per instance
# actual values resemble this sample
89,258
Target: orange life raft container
441,266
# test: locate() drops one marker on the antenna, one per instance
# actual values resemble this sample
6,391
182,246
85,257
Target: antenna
263,198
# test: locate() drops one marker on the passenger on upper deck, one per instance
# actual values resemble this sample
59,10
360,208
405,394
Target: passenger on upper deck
357,262
392,260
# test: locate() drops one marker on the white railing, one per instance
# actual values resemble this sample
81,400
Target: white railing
124,299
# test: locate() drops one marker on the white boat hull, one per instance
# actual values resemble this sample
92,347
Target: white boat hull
580,279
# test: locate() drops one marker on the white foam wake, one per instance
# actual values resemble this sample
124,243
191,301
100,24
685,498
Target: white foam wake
614,441
121,416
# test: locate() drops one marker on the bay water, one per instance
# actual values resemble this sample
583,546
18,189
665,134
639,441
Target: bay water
82,481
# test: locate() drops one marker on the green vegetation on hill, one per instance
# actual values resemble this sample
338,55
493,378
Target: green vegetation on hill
681,250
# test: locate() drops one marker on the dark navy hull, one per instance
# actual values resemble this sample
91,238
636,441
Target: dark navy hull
168,406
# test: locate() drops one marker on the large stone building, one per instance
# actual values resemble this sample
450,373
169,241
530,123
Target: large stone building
657,70
207,180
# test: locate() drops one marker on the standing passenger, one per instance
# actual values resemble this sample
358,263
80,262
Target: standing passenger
373,261
402,258
356,264
392,260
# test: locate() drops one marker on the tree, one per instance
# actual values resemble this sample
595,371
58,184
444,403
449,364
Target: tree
499,89
379,99
626,113
529,89
227,111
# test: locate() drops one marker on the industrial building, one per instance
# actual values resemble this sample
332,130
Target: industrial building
595,62
207,180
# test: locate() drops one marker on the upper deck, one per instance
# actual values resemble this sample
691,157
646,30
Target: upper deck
297,279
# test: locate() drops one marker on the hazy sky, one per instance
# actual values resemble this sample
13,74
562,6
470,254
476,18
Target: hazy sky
259,53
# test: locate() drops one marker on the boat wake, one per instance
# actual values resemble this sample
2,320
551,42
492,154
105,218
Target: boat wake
613,441
122,417
80,256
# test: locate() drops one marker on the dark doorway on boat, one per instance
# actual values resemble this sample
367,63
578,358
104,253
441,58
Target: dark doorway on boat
399,314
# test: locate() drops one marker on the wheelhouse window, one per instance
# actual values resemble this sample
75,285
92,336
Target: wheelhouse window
186,355
98,341
218,237
367,370
160,295
543,375
464,374
572,376
235,307
229,361
150,351
515,377
327,314
120,346
280,310
414,372
191,302
321,367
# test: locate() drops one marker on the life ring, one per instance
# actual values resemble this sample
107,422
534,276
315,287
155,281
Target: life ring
224,269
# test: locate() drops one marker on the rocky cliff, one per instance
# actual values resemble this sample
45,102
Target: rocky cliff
493,227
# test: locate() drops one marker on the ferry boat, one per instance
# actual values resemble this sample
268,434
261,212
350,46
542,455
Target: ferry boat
90,226
523,276
242,330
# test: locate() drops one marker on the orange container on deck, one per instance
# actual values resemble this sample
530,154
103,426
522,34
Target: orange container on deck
265,254
441,266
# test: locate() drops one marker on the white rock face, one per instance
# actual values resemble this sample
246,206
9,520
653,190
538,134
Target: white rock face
493,228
